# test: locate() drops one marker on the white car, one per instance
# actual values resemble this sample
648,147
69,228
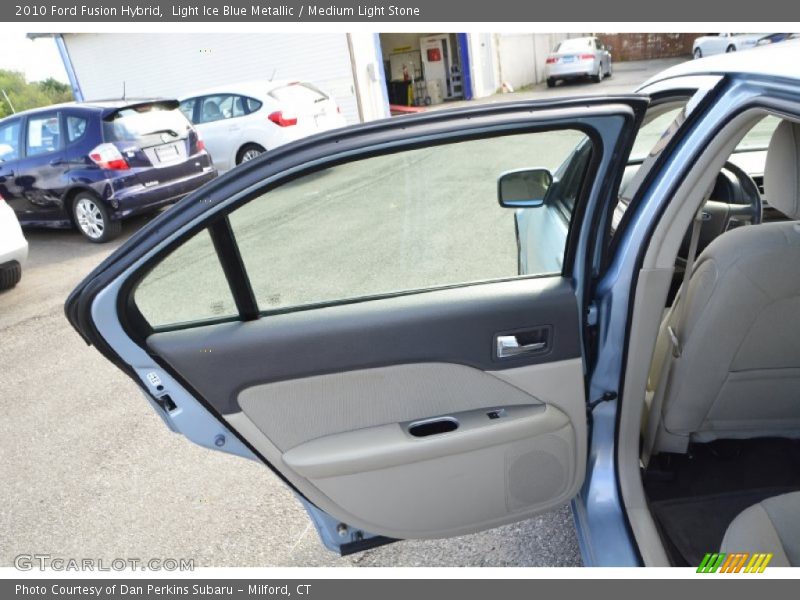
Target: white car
725,42
13,247
240,121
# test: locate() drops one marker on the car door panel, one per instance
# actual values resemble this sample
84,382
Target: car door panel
330,397
391,363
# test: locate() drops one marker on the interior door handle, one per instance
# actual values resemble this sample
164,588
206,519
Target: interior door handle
56,162
508,346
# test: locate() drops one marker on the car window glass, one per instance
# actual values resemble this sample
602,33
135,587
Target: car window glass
231,106
76,127
758,137
9,140
215,108
44,134
148,121
651,132
252,104
187,108
188,285
415,220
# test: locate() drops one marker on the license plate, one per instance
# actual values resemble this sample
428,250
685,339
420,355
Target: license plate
165,153
567,59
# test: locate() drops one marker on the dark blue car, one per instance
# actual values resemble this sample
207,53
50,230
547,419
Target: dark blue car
93,164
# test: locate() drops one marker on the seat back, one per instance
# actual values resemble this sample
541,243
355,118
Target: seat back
738,374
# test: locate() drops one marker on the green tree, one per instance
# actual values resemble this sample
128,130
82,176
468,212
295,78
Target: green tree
24,95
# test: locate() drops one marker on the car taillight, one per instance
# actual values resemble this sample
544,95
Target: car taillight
551,59
201,145
281,121
107,156
587,57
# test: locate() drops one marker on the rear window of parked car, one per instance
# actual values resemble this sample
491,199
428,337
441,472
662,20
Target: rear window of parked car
133,123
574,45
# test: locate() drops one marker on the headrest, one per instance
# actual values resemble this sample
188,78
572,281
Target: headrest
782,171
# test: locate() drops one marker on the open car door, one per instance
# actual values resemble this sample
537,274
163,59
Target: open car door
350,310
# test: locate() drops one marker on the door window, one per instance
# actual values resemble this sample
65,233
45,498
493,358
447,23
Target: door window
9,140
187,108
76,128
44,134
406,222
220,106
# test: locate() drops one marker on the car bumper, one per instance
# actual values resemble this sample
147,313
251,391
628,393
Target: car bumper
13,245
140,199
571,70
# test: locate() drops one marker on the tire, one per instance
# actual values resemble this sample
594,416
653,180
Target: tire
249,152
551,82
599,77
10,275
610,71
93,219
730,48
698,53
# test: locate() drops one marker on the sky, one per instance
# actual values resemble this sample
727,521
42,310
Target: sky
38,59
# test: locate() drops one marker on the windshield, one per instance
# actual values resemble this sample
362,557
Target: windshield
575,45
135,122
759,136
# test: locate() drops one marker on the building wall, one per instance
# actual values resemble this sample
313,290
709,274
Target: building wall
647,46
521,56
178,64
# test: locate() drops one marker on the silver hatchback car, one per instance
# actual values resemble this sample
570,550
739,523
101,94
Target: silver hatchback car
578,58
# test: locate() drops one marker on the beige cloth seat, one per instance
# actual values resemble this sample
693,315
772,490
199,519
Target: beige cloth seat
738,375
772,525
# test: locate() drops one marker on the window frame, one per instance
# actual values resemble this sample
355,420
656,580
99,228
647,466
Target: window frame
61,138
237,274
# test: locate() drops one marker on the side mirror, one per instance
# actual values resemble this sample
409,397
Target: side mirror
523,188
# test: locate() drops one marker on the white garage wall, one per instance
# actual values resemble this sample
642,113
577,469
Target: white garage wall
522,56
176,64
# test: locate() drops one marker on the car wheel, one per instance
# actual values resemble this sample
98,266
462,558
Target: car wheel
249,152
10,275
698,53
551,82
93,220
610,71
730,48
599,77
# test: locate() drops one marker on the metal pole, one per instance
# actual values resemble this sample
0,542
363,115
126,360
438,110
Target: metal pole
8,100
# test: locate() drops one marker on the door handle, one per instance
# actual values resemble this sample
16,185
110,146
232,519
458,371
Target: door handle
509,346
56,162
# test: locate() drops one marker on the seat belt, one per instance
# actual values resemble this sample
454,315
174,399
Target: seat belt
673,330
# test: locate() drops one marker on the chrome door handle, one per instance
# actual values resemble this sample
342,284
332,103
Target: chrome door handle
508,346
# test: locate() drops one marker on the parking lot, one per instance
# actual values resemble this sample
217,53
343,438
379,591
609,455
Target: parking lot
89,470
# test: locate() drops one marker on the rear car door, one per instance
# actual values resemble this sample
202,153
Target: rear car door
351,313
215,127
11,142
41,173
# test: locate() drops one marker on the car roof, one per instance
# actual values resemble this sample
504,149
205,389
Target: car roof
774,60
257,88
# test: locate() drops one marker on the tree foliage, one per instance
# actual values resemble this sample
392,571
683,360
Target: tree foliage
24,94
